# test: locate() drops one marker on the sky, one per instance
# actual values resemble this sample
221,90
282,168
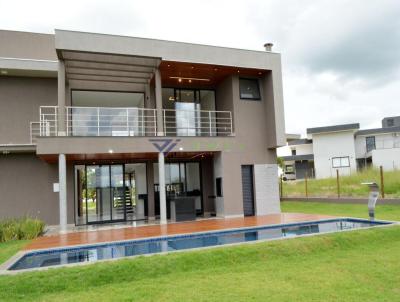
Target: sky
340,59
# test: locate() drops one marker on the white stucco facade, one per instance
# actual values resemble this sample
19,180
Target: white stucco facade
389,159
327,146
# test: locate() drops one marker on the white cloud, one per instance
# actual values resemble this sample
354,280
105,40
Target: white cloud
340,58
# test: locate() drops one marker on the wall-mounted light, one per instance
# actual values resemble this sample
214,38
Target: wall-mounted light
4,72
179,80
111,151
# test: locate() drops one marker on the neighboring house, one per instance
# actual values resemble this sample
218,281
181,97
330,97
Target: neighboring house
345,148
300,163
101,128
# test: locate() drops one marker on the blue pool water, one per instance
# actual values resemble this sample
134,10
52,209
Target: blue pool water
92,253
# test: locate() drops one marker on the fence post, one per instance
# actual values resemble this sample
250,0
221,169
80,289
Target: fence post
305,183
337,183
382,183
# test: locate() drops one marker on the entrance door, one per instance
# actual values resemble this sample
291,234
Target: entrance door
248,190
105,193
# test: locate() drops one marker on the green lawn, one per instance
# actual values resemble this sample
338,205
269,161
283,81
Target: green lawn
384,212
10,248
350,186
351,266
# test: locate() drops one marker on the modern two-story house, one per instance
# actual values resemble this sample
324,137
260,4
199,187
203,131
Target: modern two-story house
101,128
344,148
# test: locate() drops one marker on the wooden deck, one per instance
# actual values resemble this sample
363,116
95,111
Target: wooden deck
92,237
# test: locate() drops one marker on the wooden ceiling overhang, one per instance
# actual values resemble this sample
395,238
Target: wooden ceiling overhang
194,75
127,157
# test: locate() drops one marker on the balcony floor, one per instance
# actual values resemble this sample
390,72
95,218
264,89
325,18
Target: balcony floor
146,231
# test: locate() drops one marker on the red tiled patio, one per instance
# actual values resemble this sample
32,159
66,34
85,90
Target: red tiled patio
129,233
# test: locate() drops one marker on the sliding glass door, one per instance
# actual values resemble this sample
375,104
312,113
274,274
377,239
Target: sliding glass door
100,194
110,193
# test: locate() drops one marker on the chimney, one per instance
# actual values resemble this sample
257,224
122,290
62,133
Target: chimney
268,46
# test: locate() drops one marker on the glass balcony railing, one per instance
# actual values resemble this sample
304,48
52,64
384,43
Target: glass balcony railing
111,121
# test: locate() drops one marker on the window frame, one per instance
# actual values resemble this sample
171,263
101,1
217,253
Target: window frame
340,159
258,88
366,143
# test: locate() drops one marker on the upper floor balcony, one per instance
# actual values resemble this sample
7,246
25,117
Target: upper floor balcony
130,121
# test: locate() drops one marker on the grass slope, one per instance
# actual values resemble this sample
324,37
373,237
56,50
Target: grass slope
351,266
349,185
10,248
384,212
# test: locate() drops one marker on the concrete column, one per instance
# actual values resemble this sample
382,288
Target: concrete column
62,180
161,182
160,121
61,99
150,191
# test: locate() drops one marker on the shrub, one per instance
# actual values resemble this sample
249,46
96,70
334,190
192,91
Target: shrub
19,229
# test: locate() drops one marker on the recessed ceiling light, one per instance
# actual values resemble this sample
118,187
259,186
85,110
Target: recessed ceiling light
215,69
192,67
238,70
193,79
169,65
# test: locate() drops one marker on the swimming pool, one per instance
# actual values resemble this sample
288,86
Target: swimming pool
92,253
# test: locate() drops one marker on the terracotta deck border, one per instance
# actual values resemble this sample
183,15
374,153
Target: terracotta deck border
142,232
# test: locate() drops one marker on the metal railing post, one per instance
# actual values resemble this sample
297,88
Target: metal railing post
155,121
67,119
209,118
164,122
56,120
40,121
230,118
337,183
98,121
127,122
142,114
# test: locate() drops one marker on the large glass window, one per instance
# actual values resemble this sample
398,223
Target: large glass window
91,98
188,112
370,142
249,89
181,179
105,113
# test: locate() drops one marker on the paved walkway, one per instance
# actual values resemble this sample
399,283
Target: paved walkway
127,233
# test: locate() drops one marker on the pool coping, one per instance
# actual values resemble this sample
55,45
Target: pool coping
4,268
